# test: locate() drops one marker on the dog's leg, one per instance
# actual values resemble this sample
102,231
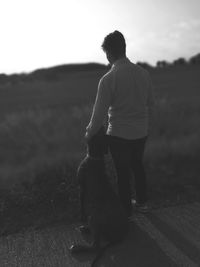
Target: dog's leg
82,205
94,246
78,248
96,239
84,228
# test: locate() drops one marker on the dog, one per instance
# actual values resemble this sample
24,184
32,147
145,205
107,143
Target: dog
101,209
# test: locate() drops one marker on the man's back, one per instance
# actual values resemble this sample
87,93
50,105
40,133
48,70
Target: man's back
131,99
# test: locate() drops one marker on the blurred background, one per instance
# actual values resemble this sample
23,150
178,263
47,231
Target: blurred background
51,62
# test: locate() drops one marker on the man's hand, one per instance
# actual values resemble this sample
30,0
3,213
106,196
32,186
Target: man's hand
88,135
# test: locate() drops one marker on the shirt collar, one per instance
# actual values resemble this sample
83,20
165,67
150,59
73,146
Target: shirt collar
120,62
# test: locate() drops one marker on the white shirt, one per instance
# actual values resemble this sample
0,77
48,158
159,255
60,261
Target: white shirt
125,94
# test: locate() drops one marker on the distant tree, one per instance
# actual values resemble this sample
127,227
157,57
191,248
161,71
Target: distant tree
180,61
145,65
3,78
195,59
162,64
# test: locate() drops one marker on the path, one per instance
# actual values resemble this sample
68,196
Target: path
166,237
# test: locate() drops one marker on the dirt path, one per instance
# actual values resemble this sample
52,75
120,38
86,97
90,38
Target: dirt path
165,237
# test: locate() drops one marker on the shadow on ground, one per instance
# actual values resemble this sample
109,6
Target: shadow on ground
137,250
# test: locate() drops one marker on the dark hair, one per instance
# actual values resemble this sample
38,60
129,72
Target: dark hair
115,44
97,146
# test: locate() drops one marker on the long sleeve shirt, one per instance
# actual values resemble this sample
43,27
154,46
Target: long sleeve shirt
125,95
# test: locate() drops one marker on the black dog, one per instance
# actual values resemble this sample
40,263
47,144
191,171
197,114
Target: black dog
101,209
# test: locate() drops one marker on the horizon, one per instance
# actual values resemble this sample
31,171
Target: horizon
94,62
41,34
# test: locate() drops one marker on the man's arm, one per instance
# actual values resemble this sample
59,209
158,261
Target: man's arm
100,109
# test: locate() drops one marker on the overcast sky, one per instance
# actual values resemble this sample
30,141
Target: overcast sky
43,33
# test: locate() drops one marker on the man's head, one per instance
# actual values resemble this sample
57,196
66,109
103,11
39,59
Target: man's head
114,46
97,145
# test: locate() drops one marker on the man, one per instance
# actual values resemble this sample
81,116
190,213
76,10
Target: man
125,94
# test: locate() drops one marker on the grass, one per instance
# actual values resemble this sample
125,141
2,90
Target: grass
41,144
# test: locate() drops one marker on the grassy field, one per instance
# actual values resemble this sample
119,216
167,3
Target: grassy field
42,126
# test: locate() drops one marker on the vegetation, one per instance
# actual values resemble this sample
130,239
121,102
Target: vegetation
42,123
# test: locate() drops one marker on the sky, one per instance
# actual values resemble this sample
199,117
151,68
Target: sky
44,33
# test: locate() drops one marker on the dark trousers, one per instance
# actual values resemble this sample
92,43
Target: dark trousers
128,159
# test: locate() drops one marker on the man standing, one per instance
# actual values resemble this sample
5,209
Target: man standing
125,94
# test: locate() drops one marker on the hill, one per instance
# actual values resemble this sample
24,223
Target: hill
52,73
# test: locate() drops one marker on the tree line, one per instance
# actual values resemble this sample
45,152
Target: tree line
195,60
55,73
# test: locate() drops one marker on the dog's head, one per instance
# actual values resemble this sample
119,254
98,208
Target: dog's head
97,146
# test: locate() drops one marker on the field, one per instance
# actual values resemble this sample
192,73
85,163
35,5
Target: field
42,125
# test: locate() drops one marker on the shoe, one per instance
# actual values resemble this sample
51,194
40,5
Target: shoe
142,208
84,229
133,201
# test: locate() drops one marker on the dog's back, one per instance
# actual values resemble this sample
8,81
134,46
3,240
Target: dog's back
101,203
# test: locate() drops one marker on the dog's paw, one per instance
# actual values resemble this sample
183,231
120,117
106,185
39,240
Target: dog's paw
76,248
